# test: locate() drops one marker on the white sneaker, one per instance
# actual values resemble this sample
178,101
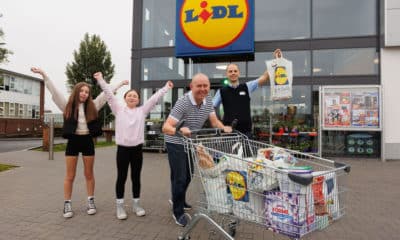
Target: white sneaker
67,213
138,209
121,214
91,209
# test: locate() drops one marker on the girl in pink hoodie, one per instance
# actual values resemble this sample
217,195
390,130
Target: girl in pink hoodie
129,137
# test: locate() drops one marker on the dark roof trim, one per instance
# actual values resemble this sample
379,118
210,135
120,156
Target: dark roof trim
4,71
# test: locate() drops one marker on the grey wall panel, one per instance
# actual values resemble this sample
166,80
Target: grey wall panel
390,4
392,19
392,151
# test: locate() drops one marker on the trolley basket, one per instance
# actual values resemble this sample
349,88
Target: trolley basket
282,190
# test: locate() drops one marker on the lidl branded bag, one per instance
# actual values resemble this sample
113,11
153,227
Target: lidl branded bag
280,71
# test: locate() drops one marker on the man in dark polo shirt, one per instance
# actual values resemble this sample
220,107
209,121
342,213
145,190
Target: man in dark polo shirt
195,107
235,97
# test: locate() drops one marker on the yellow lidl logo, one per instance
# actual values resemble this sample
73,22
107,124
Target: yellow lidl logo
281,77
213,24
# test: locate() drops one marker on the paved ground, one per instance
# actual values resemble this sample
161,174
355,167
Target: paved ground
17,144
31,200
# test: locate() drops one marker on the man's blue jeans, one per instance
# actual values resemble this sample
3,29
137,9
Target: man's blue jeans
180,175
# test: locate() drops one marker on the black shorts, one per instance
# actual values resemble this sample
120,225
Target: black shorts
80,144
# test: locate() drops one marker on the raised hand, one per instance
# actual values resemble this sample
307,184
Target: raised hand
277,53
169,84
98,76
38,70
125,82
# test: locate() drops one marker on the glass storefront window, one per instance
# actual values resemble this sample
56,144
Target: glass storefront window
300,59
285,19
153,136
217,70
356,61
158,23
162,108
163,68
290,124
344,18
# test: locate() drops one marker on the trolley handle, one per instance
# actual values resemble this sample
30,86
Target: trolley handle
196,133
215,132
206,132
345,167
303,179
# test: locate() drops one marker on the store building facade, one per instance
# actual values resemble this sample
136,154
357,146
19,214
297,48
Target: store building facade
331,43
21,104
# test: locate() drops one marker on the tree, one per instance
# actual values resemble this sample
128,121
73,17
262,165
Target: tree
4,52
91,57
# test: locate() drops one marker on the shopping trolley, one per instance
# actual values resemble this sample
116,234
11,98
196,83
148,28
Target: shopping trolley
285,191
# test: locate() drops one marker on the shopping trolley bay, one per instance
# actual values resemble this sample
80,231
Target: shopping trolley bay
285,191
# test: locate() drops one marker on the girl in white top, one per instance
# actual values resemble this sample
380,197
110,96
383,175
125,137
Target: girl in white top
80,126
129,137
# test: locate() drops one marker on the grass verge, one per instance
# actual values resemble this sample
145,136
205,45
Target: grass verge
5,167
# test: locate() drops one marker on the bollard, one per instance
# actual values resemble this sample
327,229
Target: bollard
45,141
51,139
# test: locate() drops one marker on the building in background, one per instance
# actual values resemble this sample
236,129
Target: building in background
331,43
21,104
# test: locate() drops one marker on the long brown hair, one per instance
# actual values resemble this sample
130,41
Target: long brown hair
72,108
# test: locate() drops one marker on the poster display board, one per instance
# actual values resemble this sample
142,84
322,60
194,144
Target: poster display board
352,107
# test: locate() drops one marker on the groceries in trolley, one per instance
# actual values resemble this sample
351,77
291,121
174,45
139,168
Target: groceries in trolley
272,187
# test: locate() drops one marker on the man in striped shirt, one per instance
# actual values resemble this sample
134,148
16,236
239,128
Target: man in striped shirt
195,107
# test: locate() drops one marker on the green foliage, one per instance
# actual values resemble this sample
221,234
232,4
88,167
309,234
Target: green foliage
91,57
4,167
4,52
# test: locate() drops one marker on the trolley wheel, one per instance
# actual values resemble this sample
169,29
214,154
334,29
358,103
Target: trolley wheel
186,238
232,231
232,228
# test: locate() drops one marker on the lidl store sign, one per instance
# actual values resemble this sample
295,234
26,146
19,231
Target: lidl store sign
214,27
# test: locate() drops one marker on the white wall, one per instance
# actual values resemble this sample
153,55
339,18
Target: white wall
392,19
14,97
390,79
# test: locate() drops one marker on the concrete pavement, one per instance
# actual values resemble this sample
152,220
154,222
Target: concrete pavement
31,202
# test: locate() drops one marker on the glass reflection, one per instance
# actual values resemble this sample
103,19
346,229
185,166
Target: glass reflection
300,59
158,23
164,68
284,19
343,18
359,61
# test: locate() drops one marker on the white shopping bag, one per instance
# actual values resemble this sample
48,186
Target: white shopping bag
280,71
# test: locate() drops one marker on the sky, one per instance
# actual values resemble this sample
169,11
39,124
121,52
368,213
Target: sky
45,33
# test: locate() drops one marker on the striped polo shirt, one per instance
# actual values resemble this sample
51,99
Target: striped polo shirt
194,115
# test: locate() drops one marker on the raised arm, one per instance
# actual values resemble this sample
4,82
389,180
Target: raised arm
152,101
108,91
101,99
56,95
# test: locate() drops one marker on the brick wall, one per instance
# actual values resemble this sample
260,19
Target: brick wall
20,127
